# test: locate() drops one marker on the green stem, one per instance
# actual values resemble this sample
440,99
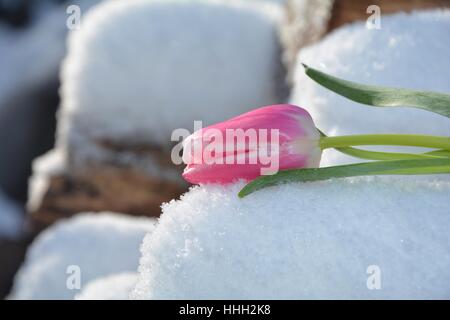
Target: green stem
439,153
377,155
412,140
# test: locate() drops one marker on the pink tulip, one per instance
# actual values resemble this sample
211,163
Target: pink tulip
278,137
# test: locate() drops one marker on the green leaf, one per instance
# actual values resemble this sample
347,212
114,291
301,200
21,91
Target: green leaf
383,96
404,167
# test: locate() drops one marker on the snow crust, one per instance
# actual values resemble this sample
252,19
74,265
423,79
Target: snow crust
302,241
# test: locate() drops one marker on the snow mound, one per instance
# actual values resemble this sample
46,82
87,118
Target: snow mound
139,69
99,244
11,218
302,241
407,51
113,287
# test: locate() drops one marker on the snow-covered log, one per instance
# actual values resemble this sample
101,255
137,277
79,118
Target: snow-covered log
137,70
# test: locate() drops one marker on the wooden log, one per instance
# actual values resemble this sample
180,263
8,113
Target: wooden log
306,22
103,186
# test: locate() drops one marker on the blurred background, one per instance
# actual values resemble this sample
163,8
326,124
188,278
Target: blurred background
32,46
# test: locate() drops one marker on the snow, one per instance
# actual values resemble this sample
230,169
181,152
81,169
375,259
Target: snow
100,244
302,241
11,218
407,51
136,69
50,164
113,287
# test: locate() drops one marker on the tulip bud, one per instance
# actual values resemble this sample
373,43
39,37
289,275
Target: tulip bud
260,142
